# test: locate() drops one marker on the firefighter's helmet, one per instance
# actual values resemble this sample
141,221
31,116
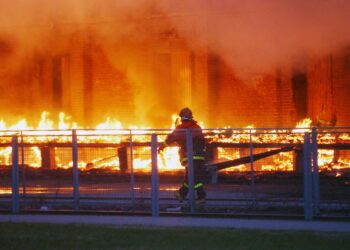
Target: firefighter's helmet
186,113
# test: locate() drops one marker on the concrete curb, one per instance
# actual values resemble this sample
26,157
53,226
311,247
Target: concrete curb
148,221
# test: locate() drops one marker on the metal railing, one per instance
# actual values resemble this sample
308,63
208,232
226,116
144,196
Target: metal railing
238,183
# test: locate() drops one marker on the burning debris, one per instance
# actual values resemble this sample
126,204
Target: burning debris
113,148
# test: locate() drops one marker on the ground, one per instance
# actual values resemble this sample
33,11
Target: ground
74,236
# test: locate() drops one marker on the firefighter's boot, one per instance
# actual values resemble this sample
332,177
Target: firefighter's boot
181,194
178,196
201,195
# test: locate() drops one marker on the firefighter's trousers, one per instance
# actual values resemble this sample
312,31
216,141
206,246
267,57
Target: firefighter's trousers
199,179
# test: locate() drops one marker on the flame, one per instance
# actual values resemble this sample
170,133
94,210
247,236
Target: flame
175,120
110,124
282,161
45,123
168,160
112,131
305,123
303,126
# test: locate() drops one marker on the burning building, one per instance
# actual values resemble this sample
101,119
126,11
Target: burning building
141,63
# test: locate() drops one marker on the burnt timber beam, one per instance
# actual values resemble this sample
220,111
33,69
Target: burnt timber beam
243,160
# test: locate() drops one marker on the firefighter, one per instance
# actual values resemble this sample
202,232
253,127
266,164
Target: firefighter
178,137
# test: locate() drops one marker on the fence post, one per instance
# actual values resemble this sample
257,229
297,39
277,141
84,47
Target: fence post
252,172
307,179
190,170
316,176
155,201
15,174
132,175
76,194
24,185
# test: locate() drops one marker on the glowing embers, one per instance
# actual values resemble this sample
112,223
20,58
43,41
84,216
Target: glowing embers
334,161
238,143
277,162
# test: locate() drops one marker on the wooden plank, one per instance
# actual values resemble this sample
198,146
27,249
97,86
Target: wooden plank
243,160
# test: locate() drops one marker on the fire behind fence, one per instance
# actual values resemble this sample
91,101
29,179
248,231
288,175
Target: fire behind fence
302,172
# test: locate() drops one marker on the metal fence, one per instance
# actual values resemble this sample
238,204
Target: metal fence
266,172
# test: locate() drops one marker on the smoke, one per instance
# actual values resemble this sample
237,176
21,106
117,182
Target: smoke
48,28
258,35
249,34
34,26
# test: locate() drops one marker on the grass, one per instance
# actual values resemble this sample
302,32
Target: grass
49,236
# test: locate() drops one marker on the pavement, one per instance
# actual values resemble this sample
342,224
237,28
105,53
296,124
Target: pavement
168,221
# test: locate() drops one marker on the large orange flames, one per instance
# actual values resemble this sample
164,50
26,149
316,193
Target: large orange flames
111,132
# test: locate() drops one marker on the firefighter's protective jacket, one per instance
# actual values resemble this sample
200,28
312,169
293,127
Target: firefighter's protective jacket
178,136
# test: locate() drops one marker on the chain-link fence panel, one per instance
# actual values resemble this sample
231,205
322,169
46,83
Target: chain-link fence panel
254,171
45,164
333,154
103,170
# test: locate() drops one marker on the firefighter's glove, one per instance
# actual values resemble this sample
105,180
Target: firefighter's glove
161,147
